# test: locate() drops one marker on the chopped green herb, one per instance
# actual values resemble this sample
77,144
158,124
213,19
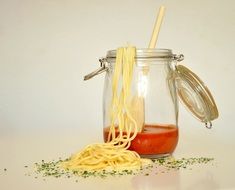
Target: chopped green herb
172,163
54,169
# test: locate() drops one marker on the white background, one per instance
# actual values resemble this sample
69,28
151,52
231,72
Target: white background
47,46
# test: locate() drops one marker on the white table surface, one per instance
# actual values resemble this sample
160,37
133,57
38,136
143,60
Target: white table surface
29,146
47,111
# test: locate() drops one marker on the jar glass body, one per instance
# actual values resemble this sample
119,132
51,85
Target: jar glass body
153,79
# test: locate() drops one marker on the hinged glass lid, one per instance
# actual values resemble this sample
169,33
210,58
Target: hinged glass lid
195,95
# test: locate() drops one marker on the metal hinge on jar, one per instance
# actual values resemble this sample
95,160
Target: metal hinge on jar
178,58
103,68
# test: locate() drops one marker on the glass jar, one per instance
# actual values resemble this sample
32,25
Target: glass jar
157,83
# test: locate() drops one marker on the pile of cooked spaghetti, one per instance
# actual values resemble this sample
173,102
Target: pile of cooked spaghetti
114,154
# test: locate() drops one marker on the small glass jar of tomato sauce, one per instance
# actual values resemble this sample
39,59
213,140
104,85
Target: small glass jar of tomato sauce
158,80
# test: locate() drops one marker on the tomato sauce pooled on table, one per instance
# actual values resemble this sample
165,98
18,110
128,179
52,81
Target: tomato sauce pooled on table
155,139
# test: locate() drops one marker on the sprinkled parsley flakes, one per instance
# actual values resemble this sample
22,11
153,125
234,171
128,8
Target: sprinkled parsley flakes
54,169
172,163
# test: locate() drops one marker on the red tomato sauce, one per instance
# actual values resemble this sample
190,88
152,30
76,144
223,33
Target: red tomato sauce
154,140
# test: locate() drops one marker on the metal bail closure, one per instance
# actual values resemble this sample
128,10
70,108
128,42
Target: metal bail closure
103,67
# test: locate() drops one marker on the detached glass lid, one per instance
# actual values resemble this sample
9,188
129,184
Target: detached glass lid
195,95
